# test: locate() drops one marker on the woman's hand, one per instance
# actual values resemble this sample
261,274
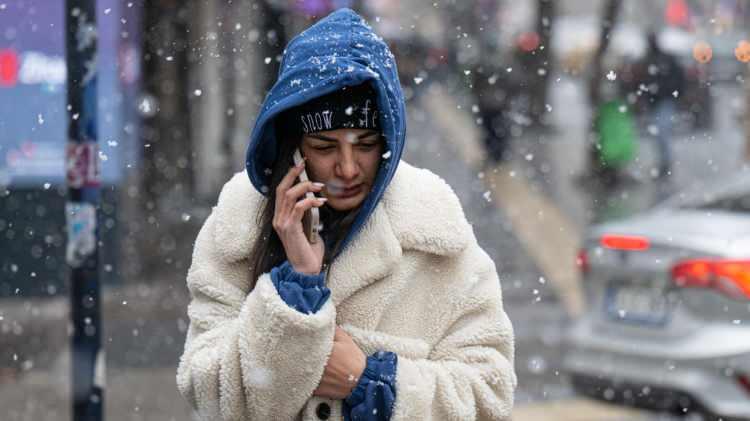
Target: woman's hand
345,366
287,222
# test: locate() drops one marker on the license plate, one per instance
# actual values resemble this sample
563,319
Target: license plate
637,304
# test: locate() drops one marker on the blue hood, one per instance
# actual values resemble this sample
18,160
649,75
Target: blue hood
339,50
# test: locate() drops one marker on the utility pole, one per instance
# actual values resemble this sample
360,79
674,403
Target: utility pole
83,179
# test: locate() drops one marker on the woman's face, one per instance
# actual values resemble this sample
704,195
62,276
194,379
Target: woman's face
346,161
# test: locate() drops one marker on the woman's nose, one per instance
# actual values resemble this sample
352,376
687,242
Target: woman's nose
347,165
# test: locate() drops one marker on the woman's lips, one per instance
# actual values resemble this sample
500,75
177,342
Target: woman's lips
344,193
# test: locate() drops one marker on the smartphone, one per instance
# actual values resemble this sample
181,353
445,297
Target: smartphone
311,219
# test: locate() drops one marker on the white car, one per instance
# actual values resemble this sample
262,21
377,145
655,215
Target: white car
667,324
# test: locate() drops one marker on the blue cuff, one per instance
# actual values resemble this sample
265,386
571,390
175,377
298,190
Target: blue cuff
373,397
305,293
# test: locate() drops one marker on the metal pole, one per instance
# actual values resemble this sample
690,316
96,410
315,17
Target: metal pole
82,170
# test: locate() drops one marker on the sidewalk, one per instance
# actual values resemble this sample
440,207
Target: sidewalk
144,327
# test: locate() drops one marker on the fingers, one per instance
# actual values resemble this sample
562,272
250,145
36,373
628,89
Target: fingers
289,178
301,206
298,190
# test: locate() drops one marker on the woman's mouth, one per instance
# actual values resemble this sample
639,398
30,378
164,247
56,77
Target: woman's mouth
344,192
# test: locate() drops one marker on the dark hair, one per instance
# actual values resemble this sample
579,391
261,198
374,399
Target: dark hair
267,251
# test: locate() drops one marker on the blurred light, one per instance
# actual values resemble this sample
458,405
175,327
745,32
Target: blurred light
625,242
528,41
702,52
582,261
677,13
742,52
730,277
8,68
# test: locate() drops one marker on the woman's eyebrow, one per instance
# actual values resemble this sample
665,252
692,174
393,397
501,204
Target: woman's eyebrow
367,134
331,139
322,137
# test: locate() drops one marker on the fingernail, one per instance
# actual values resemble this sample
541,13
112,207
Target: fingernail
316,184
322,199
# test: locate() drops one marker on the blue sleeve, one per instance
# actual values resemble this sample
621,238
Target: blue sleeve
305,293
373,397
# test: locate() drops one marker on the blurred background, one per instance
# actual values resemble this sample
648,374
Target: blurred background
549,118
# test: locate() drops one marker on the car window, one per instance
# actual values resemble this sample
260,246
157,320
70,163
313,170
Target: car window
739,203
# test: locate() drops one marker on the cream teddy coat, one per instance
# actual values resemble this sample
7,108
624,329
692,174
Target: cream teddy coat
413,281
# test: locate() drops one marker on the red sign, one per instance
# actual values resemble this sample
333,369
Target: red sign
8,68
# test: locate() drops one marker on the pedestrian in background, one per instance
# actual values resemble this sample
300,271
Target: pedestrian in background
395,313
664,80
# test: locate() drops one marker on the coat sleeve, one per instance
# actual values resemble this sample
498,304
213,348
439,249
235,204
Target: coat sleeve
248,355
469,372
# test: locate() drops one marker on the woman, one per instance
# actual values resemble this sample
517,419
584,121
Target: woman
396,315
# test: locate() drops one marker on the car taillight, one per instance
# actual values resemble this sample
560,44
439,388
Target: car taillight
744,381
731,277
582,261
625,242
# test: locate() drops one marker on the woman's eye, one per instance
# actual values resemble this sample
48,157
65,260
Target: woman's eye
368,145
323,148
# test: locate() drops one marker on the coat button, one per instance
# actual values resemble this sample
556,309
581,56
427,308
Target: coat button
323,411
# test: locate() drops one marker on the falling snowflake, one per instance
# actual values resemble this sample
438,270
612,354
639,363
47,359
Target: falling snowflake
611,76
418,80
387,155
267,60
486,196
675,94
198,92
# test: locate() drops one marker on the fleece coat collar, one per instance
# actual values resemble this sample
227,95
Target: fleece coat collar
405,219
